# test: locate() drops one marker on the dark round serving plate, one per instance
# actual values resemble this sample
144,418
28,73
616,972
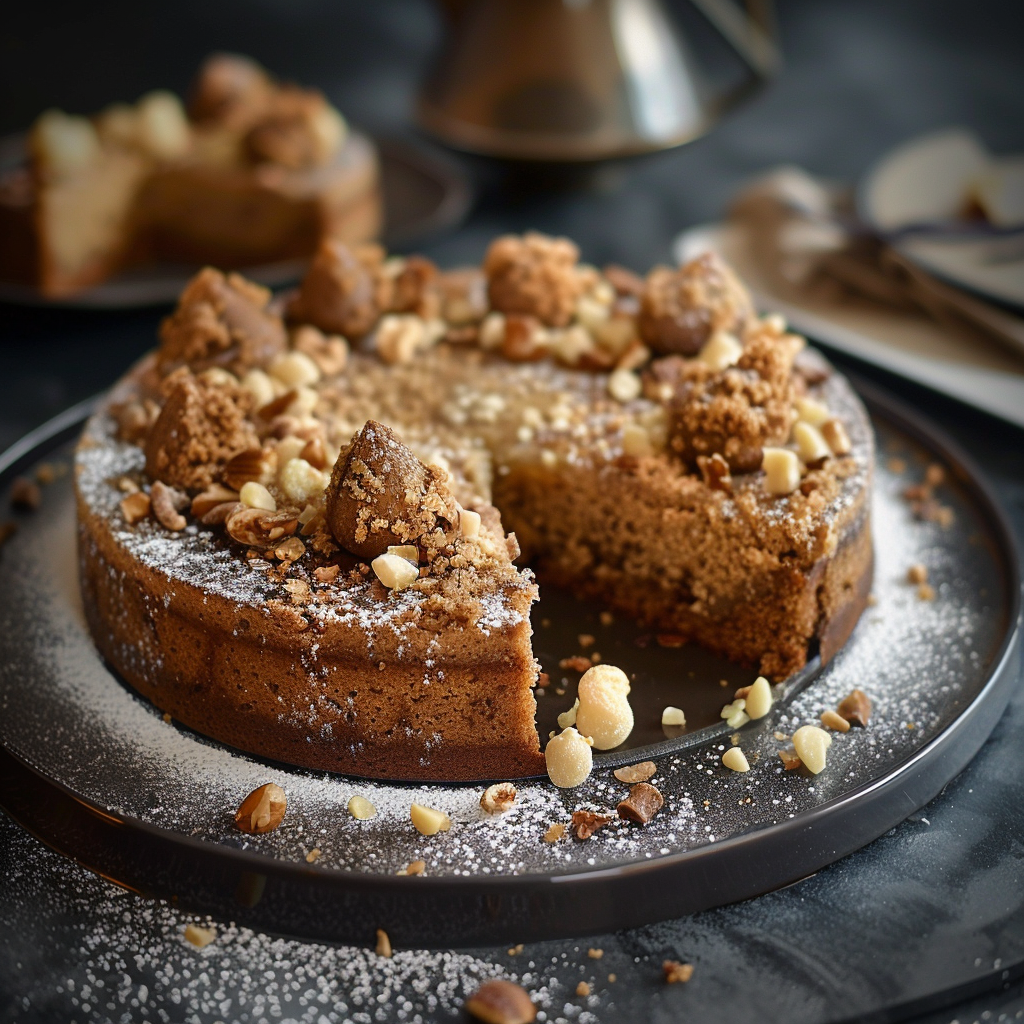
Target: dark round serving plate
424,192
94,771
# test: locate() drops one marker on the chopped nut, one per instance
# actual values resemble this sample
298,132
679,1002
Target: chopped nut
395,572
935,475
834,721
301,481
253,464
642,804
583,989
360,808
810,410
577,663
554,832
383,947
595,954
781,471
926,592
399,336
516,949
314,855
25,494
758,700
199,937
568,758
586,640
214,495
294,369
329,352
789,759
255,495
715,472
836,437
469,523
427,821
675,972
810,443
417,867
636,441
720,351
917,574
289,550
604,713
624,385
586,823
735,713
257,527
164,502
501,1002
326,573
135,507
262,810
612,978
735,759
631,773
498,798
811,745
673,716
856,708
607,619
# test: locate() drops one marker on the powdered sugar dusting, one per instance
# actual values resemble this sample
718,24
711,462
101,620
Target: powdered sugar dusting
920,661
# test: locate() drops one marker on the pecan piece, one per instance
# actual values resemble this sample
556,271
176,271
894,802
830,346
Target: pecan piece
715,471
586,823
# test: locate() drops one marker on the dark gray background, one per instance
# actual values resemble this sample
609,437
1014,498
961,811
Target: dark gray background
861,76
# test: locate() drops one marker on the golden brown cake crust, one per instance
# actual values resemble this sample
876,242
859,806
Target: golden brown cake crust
370,619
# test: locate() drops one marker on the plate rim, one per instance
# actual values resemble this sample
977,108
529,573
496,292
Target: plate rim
913,781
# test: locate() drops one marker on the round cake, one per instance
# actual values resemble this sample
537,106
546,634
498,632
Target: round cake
313,527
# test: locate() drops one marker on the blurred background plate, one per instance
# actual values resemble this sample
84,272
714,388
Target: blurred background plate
425,193
926,181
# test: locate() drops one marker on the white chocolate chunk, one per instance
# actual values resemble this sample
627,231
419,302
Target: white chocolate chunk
294,369
759,699
810,443
301,481
810,410
427,821
255,495
781,471
395,572
811,745
673,716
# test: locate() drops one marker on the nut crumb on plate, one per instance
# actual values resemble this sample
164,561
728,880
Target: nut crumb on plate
583,989
586,823
676,972
501,1002
428,821
631,773
642,804
262,810
834,721
383,947
554,832
498,798
199,937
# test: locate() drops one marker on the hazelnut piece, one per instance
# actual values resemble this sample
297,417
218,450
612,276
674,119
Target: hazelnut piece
856,708
642,804
501,1002
262,810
